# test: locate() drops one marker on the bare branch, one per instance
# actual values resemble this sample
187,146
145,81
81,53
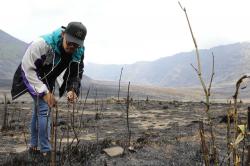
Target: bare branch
84,107
206,91
195,68
24,134
235,97
181,6
198,57
120,83
212,76
238,86
127,108
204,147
5,117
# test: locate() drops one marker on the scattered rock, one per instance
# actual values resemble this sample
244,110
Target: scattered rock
114,151
21,148
224,119
195,121
131,149
141,140
61,122
165,107
98,116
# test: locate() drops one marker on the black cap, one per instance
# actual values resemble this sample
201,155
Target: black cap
75,32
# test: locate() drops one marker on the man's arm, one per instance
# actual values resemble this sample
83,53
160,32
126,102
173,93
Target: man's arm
74,82
29,66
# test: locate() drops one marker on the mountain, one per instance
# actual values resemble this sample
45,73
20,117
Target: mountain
11,52
231,61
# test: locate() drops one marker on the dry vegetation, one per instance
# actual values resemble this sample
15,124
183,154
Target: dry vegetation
209,149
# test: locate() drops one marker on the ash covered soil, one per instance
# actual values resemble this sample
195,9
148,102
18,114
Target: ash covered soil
162,133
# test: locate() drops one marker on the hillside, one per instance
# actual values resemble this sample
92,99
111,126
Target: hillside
231,61
11,51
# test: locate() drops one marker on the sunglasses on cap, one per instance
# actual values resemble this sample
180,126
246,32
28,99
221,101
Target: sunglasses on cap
71,44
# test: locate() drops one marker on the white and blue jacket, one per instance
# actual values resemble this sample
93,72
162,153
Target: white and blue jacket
40,62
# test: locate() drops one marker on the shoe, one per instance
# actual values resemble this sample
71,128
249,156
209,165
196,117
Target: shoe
33,154
34,150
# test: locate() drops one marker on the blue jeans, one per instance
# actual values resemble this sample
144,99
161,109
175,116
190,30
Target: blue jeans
40,125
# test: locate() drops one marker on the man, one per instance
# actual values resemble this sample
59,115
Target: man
44,60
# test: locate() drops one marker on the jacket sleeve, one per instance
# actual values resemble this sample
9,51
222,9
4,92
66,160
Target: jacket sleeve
75,76
31,62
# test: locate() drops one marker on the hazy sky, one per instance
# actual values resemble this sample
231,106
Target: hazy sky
126,31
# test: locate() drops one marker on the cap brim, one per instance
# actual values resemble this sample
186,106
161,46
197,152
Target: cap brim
72,39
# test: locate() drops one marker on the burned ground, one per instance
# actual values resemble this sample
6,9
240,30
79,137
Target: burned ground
162,133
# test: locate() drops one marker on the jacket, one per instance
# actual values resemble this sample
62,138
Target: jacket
39,63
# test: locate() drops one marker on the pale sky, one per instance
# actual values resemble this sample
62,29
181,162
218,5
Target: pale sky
126,31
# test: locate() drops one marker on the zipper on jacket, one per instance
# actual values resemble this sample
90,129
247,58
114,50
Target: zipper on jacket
52,69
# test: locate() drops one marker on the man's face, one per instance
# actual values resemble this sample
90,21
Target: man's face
69,47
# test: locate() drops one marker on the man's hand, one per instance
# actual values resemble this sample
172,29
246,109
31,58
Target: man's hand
71,96
49,98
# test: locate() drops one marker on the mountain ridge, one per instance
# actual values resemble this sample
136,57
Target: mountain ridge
231,61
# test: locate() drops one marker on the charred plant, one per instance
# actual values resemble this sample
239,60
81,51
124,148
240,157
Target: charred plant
5,116
213,158
127,111
120,83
